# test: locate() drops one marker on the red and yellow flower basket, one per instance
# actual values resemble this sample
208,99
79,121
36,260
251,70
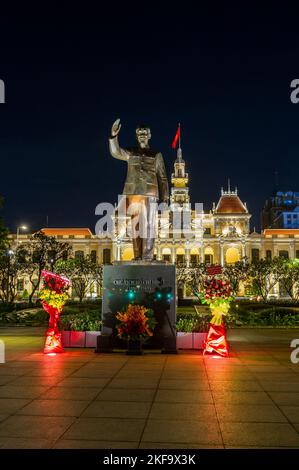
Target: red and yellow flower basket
54,295
135,323
217,293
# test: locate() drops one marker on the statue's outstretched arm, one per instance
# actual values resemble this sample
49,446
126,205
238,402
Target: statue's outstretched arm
115,150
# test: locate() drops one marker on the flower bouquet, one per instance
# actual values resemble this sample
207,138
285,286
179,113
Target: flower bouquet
54,295
134,324
217,293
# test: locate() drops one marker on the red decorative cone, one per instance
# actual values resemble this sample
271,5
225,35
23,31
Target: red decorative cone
53,335
216,341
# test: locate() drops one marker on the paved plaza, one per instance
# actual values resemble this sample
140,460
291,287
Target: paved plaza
85,400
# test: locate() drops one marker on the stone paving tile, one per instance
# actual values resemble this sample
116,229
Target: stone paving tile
69,393
193,369
83,382
173,375
244,388
181,431
110,429
11,405
54,408
4,379
180,384
149,367
260,447
184,396
285,398
227,397
21,443
276,369
35,381
183,411
270,386
13,371
259,434
114,409
114,394
179,445
59,373
291,412
32,427
93,374
230,376
235,386
22,365
10,391
148,375
249,413
133,383
78,444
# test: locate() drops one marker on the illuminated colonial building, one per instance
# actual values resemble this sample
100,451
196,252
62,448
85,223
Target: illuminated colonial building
216,237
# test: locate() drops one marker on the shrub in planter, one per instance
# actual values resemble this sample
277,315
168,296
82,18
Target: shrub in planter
191,331
80,330
184,340
77,339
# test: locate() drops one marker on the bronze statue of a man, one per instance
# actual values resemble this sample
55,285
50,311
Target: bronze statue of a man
145,184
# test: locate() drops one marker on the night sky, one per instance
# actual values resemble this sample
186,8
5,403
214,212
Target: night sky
223,72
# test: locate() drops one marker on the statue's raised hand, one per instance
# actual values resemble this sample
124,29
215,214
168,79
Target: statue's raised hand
115,128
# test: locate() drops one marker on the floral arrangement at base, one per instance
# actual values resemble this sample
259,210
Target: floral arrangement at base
217,293
54,295
135,323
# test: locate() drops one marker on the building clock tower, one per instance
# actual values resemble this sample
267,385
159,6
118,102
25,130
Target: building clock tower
179,180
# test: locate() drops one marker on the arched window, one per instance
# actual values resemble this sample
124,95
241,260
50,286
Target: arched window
232,255
194,256
106,256
255,255
93,256
128,254
79,254
209,255
180,255
283,254
166,254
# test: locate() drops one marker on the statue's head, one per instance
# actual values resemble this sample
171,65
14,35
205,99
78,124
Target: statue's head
143,135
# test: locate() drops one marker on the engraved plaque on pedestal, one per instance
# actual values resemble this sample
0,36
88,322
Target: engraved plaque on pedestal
150,284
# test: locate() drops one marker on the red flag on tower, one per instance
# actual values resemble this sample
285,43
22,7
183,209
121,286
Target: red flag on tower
176,137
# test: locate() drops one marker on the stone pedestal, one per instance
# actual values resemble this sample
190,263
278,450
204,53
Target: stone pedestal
151,284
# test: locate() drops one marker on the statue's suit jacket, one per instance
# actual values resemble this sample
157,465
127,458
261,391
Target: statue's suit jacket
146,175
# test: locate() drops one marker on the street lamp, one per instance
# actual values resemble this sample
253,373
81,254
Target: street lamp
21,227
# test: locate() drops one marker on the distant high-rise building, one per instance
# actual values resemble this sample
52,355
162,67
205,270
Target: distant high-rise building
281,211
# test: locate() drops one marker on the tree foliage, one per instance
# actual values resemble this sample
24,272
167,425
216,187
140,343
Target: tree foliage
10,270
236,273
83,272
3,232
192,277
265,274
289,276
41,252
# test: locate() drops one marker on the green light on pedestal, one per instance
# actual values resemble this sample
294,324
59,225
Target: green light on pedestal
131,295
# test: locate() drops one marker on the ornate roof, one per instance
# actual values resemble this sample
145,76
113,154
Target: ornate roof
230,203
281,231
67,231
